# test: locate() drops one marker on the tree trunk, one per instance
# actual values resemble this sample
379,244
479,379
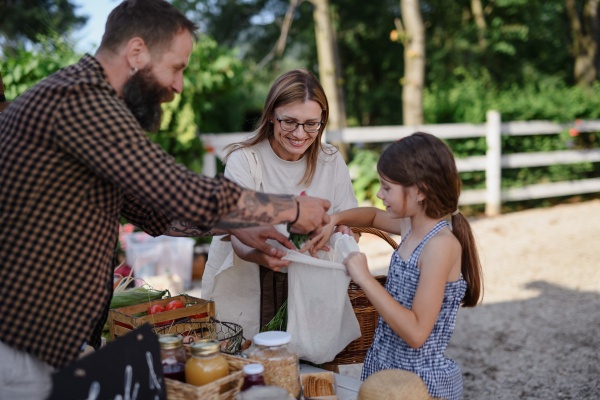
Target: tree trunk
327,64
477,10
330,70
414,63
585,40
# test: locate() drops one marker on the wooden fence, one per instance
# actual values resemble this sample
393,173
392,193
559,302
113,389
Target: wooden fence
492,163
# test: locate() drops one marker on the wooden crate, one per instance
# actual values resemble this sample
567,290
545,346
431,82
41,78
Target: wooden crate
183,391
122,320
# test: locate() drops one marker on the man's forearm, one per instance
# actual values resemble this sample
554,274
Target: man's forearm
183,229
253,209
257,209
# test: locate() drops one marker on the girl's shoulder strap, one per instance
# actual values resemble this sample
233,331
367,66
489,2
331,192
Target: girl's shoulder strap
438,227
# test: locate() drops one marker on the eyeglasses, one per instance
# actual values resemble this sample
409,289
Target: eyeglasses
289,126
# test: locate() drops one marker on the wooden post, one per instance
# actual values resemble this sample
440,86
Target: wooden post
209,160
493,170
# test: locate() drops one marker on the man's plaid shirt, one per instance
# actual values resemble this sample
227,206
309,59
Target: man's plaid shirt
73,159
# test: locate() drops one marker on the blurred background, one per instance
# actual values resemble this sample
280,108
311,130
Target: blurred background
382,62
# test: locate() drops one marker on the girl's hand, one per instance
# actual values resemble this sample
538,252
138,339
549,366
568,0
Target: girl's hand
357,267
318,242
343,229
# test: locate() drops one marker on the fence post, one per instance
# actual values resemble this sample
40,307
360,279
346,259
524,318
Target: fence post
209,160
493,170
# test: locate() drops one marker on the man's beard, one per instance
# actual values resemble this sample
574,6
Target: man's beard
143,95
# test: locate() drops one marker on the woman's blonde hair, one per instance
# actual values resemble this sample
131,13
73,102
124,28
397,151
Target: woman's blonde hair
296,86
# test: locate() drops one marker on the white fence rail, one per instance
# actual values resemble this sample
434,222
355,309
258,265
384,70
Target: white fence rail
492,163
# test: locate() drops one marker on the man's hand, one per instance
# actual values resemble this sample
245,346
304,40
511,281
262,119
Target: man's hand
313,215
256,237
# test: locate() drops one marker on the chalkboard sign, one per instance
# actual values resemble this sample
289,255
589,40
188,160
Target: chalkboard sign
126,369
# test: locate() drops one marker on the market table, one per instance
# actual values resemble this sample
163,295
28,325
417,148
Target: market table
347,387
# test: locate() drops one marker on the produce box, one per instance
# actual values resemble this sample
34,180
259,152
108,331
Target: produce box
183,391
318,385
123,320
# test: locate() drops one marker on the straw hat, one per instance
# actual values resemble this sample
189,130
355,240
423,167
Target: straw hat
3,102
393,384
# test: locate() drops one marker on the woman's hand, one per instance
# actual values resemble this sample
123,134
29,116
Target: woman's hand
318,241
357,267
260,258
249,245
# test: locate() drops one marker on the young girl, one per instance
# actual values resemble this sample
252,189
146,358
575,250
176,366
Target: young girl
434,270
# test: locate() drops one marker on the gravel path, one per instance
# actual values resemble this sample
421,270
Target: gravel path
536,335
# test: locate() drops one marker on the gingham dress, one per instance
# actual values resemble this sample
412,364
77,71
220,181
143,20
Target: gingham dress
388,351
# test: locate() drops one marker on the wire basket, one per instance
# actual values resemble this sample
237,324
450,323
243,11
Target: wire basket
229,334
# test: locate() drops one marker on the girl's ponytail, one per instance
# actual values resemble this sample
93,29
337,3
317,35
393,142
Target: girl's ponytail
470,265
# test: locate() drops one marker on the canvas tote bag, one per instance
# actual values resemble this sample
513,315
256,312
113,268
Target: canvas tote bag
236,285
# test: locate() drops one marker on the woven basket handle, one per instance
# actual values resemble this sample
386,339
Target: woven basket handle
379,233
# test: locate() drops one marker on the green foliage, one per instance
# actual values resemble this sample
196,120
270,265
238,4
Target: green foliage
363,170
32,20
28,67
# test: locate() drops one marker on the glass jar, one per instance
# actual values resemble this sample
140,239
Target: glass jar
263,393
253,376
207,364
173,356
281,365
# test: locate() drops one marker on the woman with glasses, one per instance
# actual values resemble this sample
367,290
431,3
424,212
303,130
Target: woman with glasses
285,155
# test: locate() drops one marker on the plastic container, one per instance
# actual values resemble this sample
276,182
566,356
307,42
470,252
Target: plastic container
153,256
173,356
206,364
253,376
281,365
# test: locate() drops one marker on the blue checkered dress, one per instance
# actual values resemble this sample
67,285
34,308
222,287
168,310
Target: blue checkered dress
388,351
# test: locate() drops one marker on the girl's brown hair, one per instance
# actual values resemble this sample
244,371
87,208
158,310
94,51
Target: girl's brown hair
424,160
296,86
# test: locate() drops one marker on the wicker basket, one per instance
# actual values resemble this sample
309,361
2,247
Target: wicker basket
183,391
366,314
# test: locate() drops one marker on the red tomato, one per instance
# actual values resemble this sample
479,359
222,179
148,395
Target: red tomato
157,308
175,304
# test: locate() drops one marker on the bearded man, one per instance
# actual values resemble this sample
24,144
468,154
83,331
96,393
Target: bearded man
74,158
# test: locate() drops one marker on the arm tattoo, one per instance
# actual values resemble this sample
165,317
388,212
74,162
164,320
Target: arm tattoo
258,209
180,229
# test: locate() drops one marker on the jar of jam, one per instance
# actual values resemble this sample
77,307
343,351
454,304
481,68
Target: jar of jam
281,365
207,364
253,376
173,356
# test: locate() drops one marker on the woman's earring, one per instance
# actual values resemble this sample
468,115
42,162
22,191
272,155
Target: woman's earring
133,71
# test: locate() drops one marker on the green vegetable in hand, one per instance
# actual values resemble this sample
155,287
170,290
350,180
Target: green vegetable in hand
297,238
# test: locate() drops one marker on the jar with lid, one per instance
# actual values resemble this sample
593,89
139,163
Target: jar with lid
263,393
206,364
281,365
253,376
173,356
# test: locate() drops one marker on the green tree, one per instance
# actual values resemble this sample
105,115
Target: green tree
32,19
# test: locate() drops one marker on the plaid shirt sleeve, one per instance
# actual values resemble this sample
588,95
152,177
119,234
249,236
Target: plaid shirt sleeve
144,217
101,133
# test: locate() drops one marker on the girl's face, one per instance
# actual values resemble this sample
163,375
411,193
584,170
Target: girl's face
291,145
400,201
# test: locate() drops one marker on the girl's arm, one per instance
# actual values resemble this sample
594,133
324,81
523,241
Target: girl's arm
361,217
413,325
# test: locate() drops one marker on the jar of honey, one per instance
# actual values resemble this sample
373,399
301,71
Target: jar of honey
207,364
173,356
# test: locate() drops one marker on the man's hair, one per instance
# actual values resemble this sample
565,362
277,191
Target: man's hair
156,22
